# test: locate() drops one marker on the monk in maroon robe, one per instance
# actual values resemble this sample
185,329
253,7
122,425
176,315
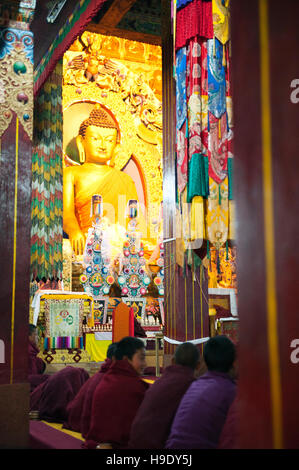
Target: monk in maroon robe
51,398
152,424
79,409
229,435
202,412
36,366
118,397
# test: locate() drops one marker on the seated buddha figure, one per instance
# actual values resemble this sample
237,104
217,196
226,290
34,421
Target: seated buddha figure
96,142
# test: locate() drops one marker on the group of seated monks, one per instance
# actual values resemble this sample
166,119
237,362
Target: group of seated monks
116,408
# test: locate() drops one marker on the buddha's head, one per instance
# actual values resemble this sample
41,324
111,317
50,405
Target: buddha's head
98,137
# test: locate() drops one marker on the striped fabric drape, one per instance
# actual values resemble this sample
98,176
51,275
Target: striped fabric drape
47,175
204,127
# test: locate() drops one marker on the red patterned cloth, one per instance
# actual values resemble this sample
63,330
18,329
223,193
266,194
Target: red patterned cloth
197,96
219,138
195,19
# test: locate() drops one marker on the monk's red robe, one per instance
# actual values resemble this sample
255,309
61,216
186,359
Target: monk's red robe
115,404
152,424
51,398
79,409
36,367
35,364
230,432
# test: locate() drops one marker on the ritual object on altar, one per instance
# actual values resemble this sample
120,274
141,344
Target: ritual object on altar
98,276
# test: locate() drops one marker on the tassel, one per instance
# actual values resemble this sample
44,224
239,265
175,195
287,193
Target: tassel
224,56
208,250
227,257
218,263
219,129
214,47
187,129
208,121
219,195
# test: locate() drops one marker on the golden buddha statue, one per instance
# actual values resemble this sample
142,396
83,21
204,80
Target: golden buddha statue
97,140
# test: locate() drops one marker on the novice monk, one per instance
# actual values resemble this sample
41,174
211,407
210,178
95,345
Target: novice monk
203,409
151,426
79,409
118,397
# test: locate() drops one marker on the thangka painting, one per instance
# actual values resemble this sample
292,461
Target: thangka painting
63,323
100,311
112,304
138,304
230,328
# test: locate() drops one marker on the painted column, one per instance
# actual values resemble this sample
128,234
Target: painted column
16,128
186,290
265,44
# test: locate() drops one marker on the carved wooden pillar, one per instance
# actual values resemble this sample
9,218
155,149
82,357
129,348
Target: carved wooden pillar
186,290
16,122
169,195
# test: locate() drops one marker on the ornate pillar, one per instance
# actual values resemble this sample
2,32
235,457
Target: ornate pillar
168,171
16,126
186,289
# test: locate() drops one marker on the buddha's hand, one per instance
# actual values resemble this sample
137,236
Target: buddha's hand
78,243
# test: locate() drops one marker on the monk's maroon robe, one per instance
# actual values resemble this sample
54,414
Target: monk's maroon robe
152,424
229,435
35,364
51,398
202,412
36,367
79,409
114,406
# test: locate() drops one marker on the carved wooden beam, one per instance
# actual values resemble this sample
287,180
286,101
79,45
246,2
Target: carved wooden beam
116,12
124,33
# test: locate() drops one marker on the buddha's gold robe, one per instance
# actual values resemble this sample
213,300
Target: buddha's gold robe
115,187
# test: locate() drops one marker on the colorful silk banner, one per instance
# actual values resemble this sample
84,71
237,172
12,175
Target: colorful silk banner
46,204
194,19
216,78
204,137
63,323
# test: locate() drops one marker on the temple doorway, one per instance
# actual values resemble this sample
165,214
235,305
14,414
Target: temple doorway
114,85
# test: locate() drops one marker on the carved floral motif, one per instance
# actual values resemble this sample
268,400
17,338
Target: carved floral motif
16,72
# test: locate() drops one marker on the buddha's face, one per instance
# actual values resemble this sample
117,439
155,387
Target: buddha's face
99,144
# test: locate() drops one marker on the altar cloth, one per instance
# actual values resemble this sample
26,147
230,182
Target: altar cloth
37,298
97,348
